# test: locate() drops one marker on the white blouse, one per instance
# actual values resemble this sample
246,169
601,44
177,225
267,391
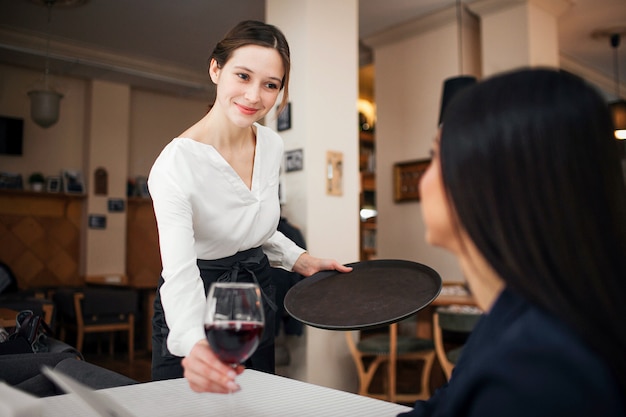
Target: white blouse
205,211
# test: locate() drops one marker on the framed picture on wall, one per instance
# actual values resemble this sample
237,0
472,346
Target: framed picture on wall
73,182
294,160
53,184
406,179
284,118
11,181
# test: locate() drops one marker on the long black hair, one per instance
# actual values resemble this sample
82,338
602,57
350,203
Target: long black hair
530,165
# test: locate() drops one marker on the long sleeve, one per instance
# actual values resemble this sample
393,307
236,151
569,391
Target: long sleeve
182,293
281,251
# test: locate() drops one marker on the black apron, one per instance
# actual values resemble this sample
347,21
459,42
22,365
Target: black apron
250,265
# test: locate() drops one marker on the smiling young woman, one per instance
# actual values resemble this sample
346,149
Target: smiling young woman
215,196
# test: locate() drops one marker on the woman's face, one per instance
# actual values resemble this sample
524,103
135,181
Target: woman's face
436,212
248,83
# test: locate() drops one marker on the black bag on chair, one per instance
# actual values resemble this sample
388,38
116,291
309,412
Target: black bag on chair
30,335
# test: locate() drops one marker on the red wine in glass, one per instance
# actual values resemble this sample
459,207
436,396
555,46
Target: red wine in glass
233,322
234,341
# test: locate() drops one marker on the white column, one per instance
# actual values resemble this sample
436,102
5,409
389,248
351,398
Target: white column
323,38
518,33
107,147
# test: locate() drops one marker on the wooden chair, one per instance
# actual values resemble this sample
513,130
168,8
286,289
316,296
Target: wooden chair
451,327
98,310
391,349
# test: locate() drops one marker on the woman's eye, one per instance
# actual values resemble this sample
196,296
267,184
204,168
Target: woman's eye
272,86
243,76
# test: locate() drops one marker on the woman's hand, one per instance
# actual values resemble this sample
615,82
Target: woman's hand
206,373
307,265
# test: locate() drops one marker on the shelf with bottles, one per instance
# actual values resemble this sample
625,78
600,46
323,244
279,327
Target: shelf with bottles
367,153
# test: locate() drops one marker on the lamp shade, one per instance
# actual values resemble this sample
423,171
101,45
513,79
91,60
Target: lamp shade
44,106
451,86
618,112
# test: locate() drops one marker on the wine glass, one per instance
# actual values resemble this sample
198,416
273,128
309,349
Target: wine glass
234,321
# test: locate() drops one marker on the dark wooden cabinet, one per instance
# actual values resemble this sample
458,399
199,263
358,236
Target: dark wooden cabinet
143,258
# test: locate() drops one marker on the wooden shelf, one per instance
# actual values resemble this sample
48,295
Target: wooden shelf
367,167
40,194
366,137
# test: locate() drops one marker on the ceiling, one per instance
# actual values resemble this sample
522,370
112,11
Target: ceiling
164,44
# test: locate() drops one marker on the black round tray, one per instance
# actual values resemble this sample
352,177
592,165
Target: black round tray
373,294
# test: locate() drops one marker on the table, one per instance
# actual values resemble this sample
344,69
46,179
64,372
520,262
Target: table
261,395
451,294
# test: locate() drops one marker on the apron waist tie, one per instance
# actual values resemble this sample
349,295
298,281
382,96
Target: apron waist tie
231,270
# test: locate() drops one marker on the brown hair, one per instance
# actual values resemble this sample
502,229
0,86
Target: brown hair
252,32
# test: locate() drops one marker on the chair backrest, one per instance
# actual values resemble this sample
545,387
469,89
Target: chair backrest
452,320
96,301
390,347
460,319
109,301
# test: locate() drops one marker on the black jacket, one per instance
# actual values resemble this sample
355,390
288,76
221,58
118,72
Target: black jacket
521,361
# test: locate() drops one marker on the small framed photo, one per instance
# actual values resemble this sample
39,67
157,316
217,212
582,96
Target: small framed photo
11,181
406,179
73,182
115,205
294,160
97,221
284,118
53,184
334,173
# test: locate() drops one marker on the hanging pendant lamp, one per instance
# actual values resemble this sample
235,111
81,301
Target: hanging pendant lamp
44,99
453,85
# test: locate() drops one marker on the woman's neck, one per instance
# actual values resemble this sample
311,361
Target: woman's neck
215,129
482,279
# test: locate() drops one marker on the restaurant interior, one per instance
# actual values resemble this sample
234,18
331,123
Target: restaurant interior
90,92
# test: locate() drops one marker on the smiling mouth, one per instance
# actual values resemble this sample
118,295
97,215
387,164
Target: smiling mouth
246,110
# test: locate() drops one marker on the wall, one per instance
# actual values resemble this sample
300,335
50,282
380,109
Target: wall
154,121
101,124
47,150
407,94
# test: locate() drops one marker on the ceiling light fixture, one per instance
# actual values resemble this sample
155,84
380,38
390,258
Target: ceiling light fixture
44,99
452,85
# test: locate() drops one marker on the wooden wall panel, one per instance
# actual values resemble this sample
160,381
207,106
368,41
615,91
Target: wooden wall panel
40,237
143,259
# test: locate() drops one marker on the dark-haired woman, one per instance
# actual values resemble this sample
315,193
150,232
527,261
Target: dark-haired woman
526,189
215,197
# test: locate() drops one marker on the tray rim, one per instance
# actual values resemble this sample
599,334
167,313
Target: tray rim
313,279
